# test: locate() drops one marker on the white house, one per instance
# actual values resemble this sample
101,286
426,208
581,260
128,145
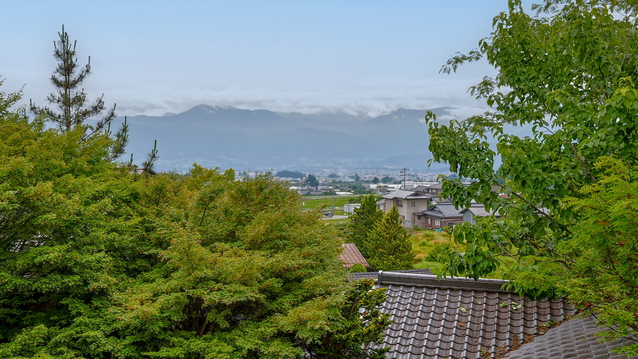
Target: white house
349,207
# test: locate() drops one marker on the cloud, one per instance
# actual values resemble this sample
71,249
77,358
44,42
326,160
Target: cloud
371,99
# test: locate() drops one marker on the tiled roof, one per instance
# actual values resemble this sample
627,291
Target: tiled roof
403,194
351,255
443,210
458,318
573,339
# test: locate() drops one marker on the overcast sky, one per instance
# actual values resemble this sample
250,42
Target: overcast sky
154,57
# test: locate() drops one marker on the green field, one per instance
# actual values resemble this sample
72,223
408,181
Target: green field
424,242
325,202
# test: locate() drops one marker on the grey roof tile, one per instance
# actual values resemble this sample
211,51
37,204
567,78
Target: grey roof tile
429,321
574,338
457,318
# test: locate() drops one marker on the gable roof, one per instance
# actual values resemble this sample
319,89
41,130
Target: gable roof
403,194
351,255
443,210
477,209
457,317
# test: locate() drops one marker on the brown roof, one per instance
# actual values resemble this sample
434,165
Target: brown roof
459,318
351,256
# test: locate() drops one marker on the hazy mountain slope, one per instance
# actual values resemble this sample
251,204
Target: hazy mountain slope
261,139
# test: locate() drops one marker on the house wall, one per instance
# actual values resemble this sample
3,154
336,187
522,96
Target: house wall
468,217
387,205
407,209
433,222
438,222
420,220
349,207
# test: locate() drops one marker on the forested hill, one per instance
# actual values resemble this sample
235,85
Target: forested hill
260,139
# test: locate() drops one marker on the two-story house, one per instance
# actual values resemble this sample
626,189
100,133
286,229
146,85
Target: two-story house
409,204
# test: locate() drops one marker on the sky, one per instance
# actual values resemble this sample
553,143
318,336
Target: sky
157,57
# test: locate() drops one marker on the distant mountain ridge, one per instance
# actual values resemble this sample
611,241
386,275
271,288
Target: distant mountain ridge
227,137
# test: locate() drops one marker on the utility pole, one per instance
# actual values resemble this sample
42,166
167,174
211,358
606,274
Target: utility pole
404,171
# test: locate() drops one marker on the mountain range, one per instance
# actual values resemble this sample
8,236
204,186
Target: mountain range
263,140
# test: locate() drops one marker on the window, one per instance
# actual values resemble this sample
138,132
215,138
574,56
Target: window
437,222
413,204
399,203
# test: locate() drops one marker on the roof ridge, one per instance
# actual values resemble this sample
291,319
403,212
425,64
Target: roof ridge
426,280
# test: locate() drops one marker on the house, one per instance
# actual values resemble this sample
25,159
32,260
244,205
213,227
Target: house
409,204
349,207
135,170
475,210
431,189
142,170
440,215
463,318
351,255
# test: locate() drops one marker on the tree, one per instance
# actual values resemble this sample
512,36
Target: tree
289,174
376,180
360,329
389,244
70,99
357,268
602,275
387,179
361,223
569,75
97,263
65,211
312,181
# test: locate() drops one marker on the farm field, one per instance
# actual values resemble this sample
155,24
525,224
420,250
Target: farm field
325,202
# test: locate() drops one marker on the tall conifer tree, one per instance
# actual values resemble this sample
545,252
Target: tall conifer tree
69,102
362,222
391,243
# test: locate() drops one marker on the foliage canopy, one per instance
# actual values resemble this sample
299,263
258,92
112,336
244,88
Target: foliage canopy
569,74
99,263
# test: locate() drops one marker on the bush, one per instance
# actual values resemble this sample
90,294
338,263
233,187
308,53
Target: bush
357,268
